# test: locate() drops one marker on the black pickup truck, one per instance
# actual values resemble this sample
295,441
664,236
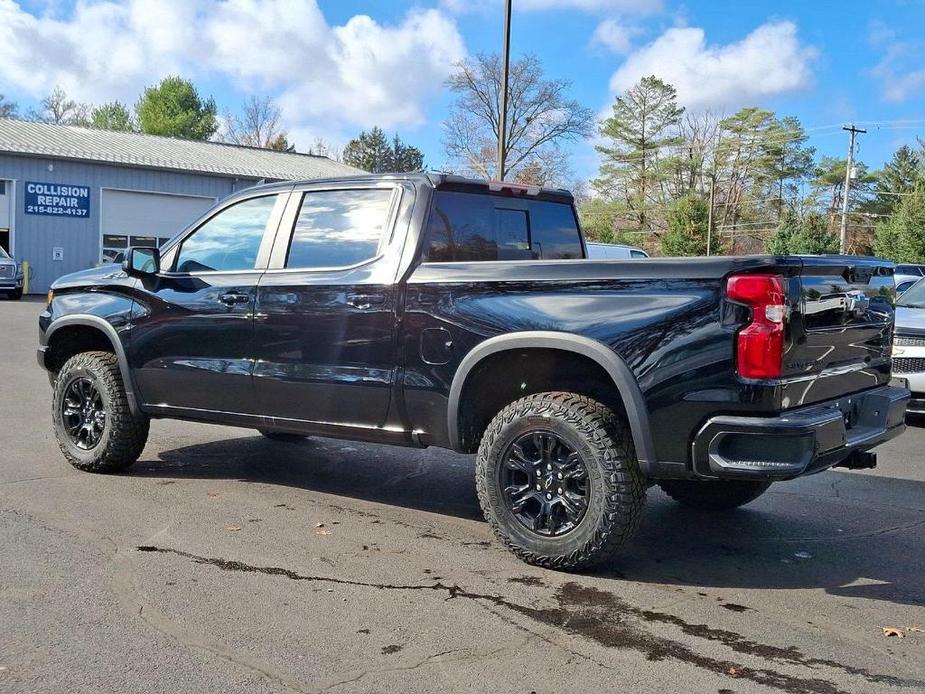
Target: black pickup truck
431,310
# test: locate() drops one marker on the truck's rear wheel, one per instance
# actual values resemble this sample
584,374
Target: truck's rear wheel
713,495
93,422
282,436
558,480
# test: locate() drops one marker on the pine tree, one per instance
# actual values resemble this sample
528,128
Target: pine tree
900,238
899,176
814,237
633,167
687,228
782,241
372,152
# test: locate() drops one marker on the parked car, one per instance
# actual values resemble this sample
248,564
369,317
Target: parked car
909,345
431,310
613,251
907,275
11,276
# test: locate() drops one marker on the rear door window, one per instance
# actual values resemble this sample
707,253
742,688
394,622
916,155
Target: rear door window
339,228
471,227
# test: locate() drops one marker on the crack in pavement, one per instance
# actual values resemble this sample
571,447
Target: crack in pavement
426,661
600,616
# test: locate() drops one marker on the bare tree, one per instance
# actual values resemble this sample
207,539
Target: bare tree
258,125
540,117
322,148
8,109
60,109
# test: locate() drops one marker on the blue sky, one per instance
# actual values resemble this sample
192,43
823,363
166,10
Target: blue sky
337,66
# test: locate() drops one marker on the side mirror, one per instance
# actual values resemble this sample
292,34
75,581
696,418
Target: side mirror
142,262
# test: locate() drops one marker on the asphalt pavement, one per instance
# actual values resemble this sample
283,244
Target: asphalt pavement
224,562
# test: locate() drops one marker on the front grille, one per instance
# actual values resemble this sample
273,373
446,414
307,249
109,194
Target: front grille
7,271
901,341
908,365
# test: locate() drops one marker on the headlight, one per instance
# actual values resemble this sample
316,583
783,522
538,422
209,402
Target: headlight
51,295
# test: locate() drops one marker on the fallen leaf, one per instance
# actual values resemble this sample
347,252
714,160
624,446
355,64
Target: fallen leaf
893,631
233,528
213,493
322,532
731,671
916,630
319,525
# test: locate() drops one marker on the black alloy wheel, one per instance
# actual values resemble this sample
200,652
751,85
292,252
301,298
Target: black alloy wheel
545,483
83,413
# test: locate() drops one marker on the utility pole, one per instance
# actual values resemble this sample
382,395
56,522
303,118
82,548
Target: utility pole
710,215
847,189
502,120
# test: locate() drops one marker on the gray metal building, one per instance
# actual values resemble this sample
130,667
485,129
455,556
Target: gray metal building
71,198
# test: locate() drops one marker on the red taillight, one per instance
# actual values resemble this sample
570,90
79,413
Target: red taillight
760,344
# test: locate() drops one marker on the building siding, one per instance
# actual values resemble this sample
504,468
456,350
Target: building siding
35,236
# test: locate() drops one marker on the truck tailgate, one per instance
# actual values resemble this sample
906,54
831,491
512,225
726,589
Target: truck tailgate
840,328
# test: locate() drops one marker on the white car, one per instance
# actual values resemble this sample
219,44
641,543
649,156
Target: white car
909,345
613,251
907,275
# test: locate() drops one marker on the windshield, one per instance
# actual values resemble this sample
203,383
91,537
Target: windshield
4,255
914,297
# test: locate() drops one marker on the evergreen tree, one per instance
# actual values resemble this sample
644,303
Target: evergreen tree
782,241
371,151
900,238
814,237
900,175
634,164
687,228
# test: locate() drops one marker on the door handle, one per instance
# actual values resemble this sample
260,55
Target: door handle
234,298
364,301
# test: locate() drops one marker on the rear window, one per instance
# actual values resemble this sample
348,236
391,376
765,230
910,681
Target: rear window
472,227
908,270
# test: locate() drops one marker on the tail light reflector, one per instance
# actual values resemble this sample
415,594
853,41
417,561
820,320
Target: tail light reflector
760,344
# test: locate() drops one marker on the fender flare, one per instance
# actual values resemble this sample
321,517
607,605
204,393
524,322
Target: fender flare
105,327
606,358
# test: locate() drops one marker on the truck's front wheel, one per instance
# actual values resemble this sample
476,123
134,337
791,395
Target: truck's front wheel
713,495
558,480
93,422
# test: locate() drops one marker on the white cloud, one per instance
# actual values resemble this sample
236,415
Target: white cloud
358,74
595,6
769,61
613,36
898,73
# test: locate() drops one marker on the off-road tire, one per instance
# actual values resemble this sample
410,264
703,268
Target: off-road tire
615,482
282,436
713,495
124,435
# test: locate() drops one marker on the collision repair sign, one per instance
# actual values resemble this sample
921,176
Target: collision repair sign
57,199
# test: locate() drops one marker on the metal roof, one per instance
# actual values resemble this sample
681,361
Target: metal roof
155,152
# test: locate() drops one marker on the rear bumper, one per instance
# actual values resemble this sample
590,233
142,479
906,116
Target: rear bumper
799,441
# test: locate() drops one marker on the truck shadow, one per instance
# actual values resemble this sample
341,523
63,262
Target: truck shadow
856,535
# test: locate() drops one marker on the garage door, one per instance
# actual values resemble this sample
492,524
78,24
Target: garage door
144,219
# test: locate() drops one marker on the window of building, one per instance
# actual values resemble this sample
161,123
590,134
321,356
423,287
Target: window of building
339,228
230,240
468,226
